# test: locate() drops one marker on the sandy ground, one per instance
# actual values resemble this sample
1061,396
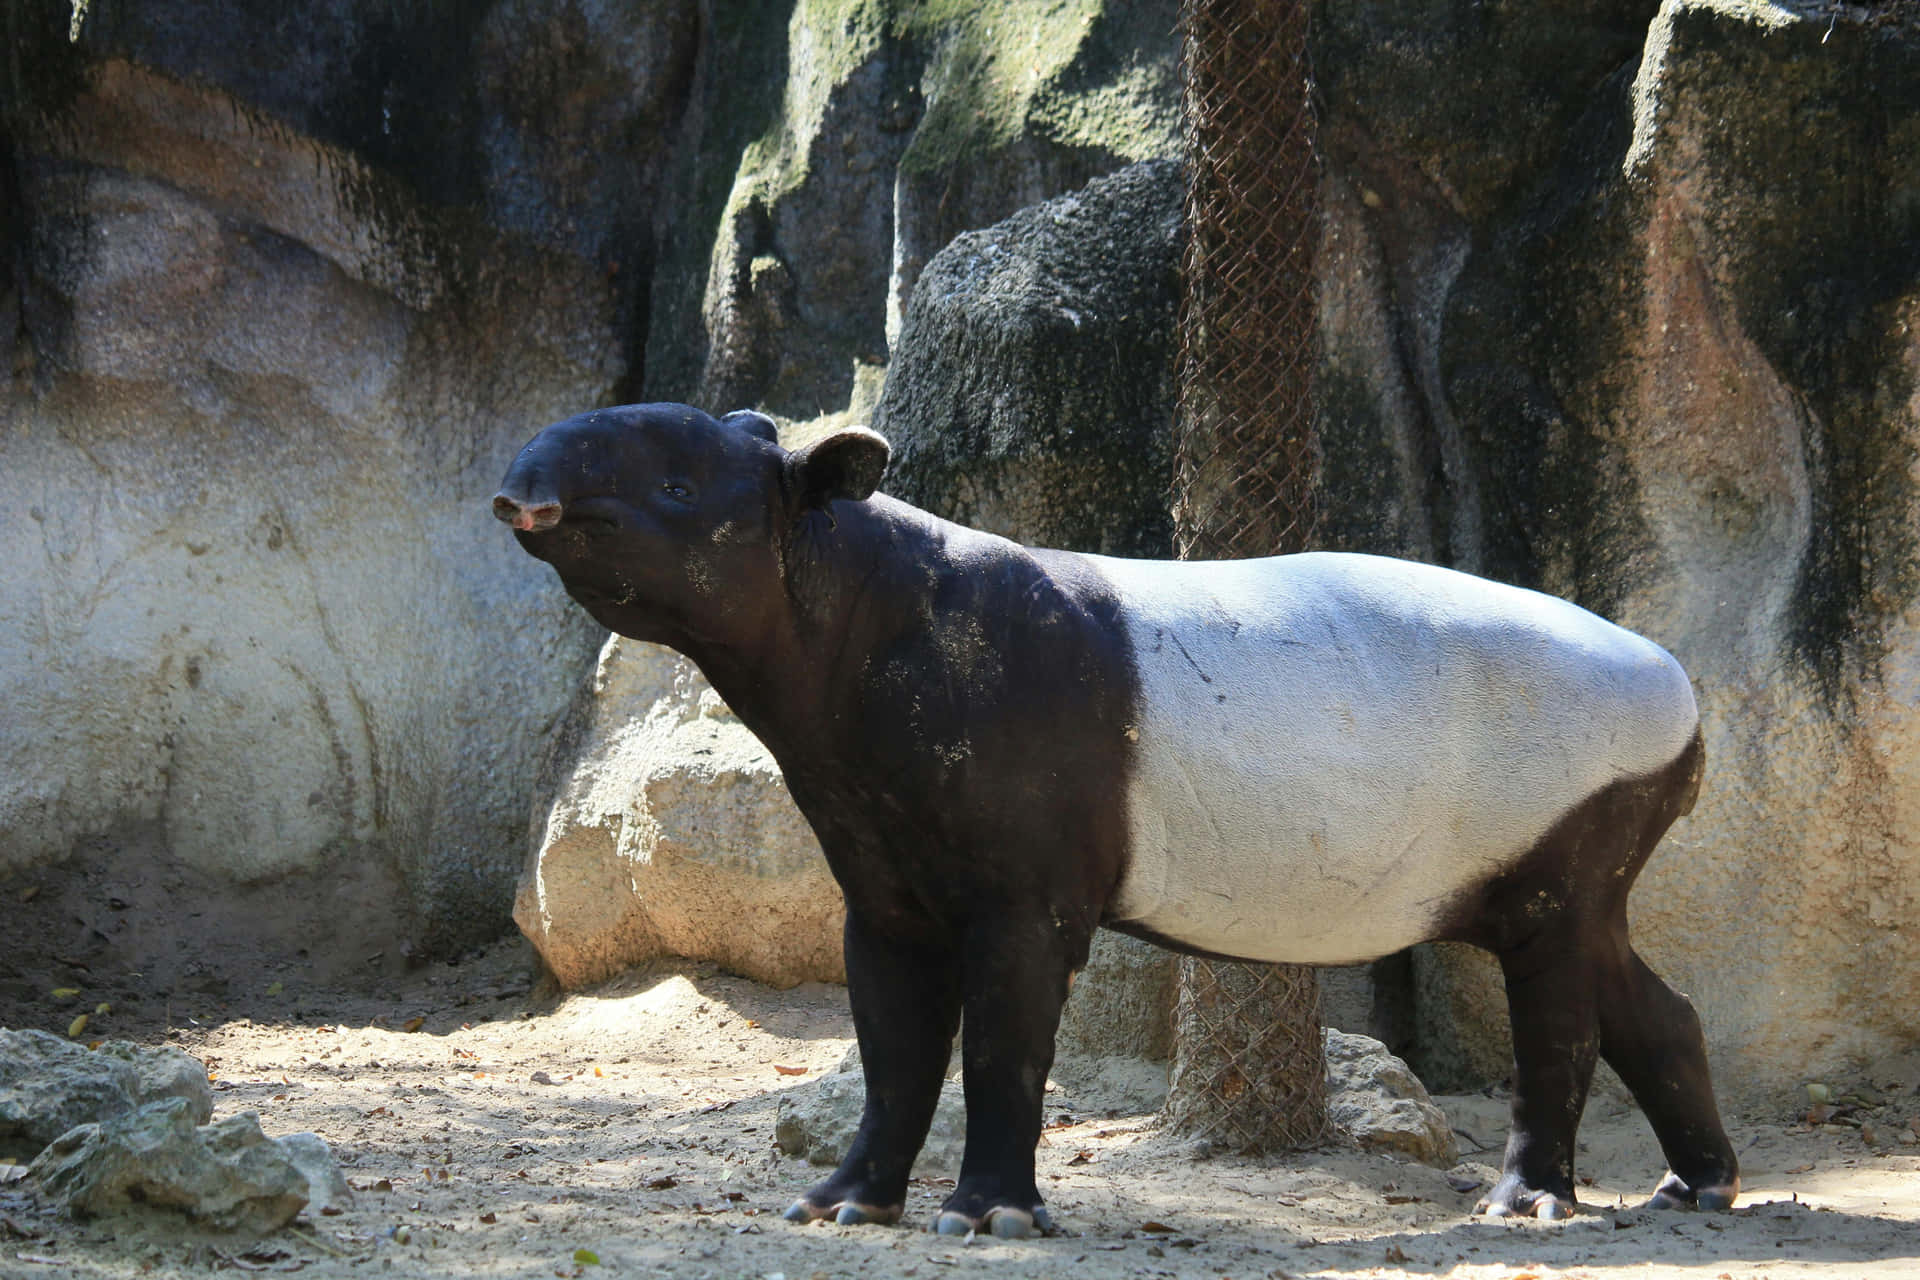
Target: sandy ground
629,1131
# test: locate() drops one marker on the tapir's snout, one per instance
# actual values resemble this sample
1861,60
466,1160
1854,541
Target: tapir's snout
528,517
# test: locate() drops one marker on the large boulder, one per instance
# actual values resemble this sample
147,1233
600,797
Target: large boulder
1032,391
663,828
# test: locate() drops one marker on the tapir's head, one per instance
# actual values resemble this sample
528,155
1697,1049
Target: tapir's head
665,522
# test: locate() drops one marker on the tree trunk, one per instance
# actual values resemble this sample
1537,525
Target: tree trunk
1249,1070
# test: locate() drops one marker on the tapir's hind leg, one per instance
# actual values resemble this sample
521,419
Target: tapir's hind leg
1558,922
1651,1036
1551,999
906,1008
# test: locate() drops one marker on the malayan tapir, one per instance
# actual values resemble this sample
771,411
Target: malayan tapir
1317,758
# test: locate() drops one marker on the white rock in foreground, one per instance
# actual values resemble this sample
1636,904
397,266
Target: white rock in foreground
48,1085
1377,1101
229,1174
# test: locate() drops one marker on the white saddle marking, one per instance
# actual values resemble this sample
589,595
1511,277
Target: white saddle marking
1333,747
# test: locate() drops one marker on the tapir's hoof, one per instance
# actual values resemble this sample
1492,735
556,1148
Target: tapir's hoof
1672,1193
1546,1208
1004,1222
846,1213
1514,1199
1718,1199
1008,1223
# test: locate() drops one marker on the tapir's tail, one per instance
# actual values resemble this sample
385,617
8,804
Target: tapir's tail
1696,752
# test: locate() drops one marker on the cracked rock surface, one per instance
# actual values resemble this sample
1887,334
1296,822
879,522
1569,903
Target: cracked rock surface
227,1174
49,1085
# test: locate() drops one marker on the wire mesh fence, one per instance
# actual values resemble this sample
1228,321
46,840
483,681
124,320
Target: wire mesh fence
1249,1070
1244,447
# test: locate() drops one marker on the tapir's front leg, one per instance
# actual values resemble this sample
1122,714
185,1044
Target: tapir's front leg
906,1007
1016,983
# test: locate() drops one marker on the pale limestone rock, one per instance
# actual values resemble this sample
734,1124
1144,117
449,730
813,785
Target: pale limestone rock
228,1174
49,1085
1377,1101
817,1120
664,828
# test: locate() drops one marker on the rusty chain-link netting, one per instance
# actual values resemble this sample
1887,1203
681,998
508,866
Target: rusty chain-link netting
1244,446
1249,1071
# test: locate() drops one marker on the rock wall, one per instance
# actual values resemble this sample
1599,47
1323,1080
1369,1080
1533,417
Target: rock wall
1617,303
844,144
1647,343
281,293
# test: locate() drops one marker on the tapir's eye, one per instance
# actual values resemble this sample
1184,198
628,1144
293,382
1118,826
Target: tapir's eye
677,491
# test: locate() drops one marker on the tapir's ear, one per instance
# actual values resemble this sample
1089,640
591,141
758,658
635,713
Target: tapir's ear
755,424
847,464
